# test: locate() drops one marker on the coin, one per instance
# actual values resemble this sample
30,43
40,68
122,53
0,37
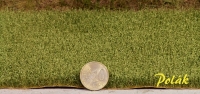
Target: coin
94,75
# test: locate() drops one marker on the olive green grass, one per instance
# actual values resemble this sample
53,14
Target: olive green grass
49,48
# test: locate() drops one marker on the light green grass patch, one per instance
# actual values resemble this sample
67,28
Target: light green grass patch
49,48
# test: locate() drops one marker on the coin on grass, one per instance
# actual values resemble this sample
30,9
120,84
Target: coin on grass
94,75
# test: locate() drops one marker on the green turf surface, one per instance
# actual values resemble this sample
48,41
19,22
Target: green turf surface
49,48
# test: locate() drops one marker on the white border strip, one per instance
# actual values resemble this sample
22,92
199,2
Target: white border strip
84,91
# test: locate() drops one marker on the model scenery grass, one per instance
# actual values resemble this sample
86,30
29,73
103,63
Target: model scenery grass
49,48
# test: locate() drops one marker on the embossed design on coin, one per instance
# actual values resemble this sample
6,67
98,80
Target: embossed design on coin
94,75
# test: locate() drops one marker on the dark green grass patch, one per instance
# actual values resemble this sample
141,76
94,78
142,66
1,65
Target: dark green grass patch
49,48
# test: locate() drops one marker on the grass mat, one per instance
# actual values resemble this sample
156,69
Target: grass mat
49,48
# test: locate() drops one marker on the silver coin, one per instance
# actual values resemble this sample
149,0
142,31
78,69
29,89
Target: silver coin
94,75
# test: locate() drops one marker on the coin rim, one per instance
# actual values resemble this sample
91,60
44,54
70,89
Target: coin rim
100,64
